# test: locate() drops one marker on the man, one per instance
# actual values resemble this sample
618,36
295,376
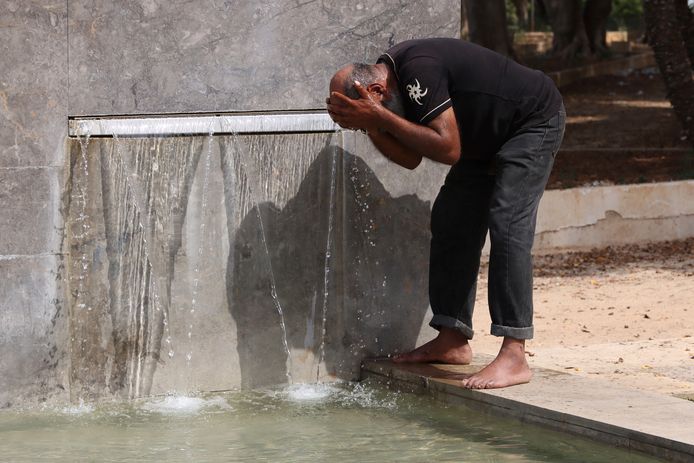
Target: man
499,125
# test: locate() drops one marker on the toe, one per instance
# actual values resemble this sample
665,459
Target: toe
472,382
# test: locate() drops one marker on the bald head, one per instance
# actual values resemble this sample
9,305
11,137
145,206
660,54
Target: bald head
366,74
377,79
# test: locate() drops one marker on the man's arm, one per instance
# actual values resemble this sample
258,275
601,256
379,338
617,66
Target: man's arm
438,141
391,148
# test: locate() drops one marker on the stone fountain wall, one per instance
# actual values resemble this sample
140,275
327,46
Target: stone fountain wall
208,263
151,56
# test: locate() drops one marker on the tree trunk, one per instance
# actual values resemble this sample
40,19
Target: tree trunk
595,17
464,25
522,9
487,25
686,17
665,37
570,39
541,11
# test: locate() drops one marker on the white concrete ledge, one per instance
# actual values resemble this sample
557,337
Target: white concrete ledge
595,217
613,215
567,76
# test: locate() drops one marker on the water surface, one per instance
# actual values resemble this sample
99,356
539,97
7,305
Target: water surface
300,423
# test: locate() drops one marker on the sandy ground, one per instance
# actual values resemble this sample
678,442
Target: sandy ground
622,314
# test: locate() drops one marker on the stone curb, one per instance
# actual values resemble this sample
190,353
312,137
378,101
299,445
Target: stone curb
590,217
631,419
599,216
567,76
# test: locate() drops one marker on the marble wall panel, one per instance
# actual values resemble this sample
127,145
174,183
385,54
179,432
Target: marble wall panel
33,84
33,126
154,56
30,200
33,336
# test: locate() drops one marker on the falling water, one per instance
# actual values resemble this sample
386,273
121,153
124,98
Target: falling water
271,169
196,270
81,297
275,298
136,309
83,216
255,200
144,197
326,267
142,189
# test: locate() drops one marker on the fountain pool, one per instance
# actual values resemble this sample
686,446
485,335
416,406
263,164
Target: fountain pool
306,422
252,253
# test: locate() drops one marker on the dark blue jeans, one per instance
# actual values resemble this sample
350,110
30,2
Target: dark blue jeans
500,195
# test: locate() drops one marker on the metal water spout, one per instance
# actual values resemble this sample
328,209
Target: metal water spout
203,124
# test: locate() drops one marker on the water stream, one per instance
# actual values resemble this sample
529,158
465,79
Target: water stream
200,255
135,183
326,266
155,210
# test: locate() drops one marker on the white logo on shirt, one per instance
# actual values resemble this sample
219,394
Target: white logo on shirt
415,92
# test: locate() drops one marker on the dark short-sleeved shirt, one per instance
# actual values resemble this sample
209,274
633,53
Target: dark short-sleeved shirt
492,96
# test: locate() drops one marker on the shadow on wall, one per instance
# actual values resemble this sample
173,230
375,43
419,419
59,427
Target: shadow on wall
368,297
345,262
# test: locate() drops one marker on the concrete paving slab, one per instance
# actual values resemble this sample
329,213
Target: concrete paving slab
660,425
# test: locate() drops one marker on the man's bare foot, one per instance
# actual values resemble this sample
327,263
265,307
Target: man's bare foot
450,346
508,368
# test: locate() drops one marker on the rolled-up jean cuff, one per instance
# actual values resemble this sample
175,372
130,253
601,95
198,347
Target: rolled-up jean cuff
442,321
512,331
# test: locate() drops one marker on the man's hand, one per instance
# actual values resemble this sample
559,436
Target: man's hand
362,114
400,140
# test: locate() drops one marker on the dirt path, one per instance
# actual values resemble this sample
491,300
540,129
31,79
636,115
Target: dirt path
621,129
624,314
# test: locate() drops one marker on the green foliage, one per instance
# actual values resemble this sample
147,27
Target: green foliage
624,8
512,16
515,24
626,14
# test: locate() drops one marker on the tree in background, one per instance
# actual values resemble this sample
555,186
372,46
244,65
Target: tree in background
627,14
595,15
669,28
579,26
522,8
565,18
579,30
686,17
487,25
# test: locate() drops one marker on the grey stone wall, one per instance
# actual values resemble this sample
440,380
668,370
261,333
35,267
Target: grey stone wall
147,56
137,56
33,109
